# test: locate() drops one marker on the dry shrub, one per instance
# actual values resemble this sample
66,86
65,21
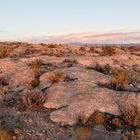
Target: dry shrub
33,100
92,49
3,81
82,49
70,61
120,80
52,45
106,69
108,50
131,116
56,77
117,123
5,51
67,61
35,64
97,118
34,83
43,44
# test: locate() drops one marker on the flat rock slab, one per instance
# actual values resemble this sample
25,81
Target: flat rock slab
79,99
16,72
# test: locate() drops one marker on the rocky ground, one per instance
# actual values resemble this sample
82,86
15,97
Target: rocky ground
59,92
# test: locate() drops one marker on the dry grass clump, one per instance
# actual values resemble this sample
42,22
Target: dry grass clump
43,44
120,80
117,123
3,81
131,116
5,51
34,83
92,49
57,76
33,100
97,118
109,50
67,61
52,45
82,49
106,69
35,64
70,61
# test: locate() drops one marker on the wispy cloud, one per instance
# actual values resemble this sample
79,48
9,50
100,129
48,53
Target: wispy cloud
89,37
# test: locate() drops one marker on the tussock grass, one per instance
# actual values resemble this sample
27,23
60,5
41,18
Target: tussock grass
56,77
5,51
34,83
33,100
131,116
35,64
109,50
120,80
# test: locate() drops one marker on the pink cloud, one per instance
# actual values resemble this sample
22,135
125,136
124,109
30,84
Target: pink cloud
89,37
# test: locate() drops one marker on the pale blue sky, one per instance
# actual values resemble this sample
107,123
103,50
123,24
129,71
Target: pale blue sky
19,18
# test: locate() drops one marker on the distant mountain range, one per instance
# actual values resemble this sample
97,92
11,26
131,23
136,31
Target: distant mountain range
114,37
8,43
100,44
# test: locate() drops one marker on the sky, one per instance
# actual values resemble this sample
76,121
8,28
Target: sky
70,21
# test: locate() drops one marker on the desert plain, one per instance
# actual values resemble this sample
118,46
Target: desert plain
67,92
